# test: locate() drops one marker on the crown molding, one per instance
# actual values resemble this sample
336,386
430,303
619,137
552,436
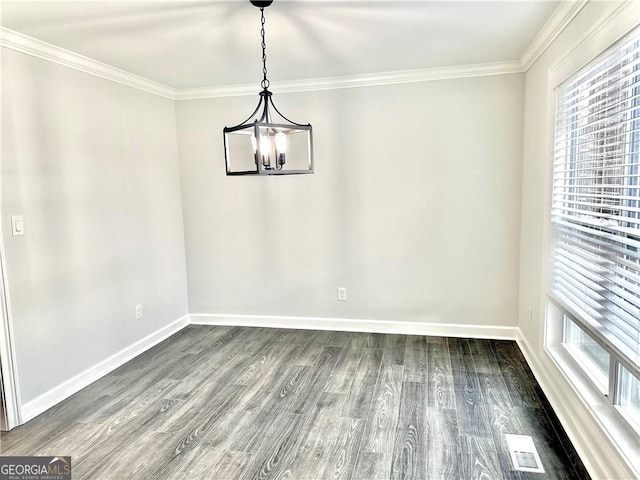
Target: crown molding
353,81
31,46
28,45
560,18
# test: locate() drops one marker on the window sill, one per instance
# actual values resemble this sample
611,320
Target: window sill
600,381
622,437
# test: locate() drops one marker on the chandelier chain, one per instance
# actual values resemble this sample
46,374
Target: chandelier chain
265,82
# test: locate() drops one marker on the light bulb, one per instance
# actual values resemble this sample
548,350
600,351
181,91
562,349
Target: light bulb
265,150
281,148
265,144
281,142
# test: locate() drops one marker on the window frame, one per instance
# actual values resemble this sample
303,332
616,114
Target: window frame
582,382
617,429
588,364
614,386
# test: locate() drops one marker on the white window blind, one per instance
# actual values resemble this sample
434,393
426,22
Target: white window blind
595,254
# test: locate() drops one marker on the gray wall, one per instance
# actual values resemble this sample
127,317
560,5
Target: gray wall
92,166
414,206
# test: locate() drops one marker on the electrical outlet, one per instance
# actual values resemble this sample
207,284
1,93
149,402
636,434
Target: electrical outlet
138,311
342,294
530,313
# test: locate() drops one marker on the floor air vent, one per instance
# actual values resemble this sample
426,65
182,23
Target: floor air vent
524,455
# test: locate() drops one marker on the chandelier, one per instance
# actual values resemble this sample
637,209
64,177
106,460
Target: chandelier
267,142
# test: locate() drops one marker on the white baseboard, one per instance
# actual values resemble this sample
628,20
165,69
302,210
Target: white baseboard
598,453
69,387
357,325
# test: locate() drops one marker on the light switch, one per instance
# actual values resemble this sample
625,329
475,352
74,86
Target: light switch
17,225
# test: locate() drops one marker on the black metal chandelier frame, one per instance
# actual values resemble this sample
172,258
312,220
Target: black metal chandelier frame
268,160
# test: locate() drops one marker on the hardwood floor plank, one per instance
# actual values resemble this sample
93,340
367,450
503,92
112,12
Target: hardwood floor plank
416,365
340,339
176,344
364,384
230,466
383,414
195,339
443,444
186,370
316,341
261,389
205,462
472,413
188,444
348,340
203,374
315,381
339,462
515,376
317,436
358,340
276,402
394,349
421,341
273,459
207,417
74,440
203,397
132,403
47,427
79,405
494,390
344,372
219,441
259,365
126,461
395,341
119,430
209,414
483,357
164,409
441,392
479,459
459,347
376,340
409,461
291,337
115,435
220,403
168,352
418,342
372,466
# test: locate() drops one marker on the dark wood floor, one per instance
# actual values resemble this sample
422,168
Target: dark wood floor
257,403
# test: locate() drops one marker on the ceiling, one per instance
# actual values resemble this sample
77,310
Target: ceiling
184,44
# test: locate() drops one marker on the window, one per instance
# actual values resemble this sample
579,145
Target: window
594,359
629,397
595,217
